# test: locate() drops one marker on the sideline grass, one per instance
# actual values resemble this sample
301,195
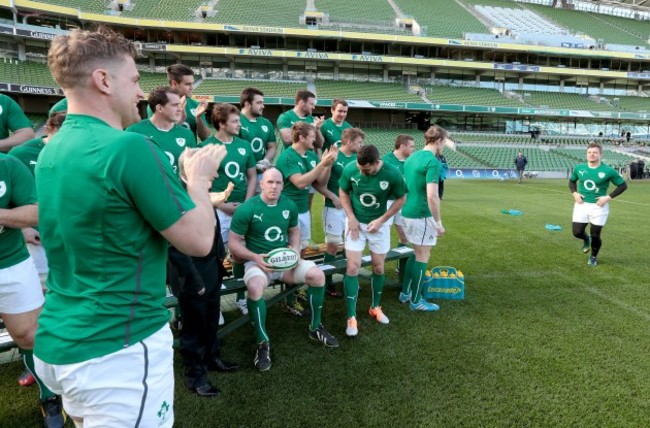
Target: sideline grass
540,339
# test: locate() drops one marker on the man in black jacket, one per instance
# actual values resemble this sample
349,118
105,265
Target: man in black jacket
520,164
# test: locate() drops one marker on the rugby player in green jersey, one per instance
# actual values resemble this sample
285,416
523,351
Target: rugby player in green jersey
181,78
162,126
261,224
14,121
333,127
109,203
404,146
365,188
334,218
60,106
421,214
257,130
301,112
589,183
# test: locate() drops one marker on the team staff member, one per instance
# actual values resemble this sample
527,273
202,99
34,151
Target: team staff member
403,148
334,219
181,78
261,224
589,183
333,127
301,112
12,119
365,188
103,340
162,126
421,213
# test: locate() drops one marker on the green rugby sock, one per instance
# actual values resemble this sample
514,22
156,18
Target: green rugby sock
315,297
419,269
328,259
257,312
28,359
408,278
377,286
351,286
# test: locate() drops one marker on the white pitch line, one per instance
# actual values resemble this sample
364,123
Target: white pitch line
643,314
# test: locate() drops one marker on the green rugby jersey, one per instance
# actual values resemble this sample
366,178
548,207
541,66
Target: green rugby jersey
288,118
28,152
233,167
265,227
369,193
16,189
105,195
421,168
332,133
291,162
173,142
335,174
258,133
61,105
12,117
594,182
392,159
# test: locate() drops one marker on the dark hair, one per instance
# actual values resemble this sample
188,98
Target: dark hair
368,154
304,95
158,96
177,71
593,144
54,122
220,113
402,139
337,101
248,94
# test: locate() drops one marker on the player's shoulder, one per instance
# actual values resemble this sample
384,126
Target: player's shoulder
210,140
287,202
139,126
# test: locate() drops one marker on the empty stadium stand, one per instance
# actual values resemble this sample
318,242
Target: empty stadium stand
161,9
235,86
97,6
442,18
469,96
278,13
560,100
26,73
365,91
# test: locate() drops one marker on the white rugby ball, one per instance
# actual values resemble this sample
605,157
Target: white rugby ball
282,259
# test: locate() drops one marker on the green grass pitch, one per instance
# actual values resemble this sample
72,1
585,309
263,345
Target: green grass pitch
541,340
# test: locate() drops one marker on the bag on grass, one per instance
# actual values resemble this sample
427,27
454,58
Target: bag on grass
444,282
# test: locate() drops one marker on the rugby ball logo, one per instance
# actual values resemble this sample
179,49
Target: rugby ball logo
282,259
383,185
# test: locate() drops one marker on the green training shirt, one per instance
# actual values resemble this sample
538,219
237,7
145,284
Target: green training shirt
332,133
421,168
28,152
289,118
12,117
335,174
16,189
594,182
369,193
291,162
233,167
173,142
190,109
265,227
392,159
258,133
104,196
61,105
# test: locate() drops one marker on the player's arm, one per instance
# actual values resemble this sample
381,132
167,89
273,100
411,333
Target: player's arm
18,137
193,233
19,217
573,186
603,200
318,143
271,150
294,238
323,190
353,223
236,244
377,223
202,129
433,201
251,182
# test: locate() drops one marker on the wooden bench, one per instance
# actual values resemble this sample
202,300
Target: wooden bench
234,285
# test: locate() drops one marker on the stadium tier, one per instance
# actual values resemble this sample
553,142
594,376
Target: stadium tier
26,73
364,91
157,9
503,157
277,13
558,100
630,103
98,6
149,81
469,96
442,18
640,29
590,24
360,10
234,87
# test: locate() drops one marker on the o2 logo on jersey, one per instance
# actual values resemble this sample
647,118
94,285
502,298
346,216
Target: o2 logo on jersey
172,160
233,171
383,185
368,200
590,185
3,188
257,145
180,142
273,234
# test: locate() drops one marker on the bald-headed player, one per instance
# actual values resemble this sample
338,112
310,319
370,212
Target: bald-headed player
333,127
261,224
